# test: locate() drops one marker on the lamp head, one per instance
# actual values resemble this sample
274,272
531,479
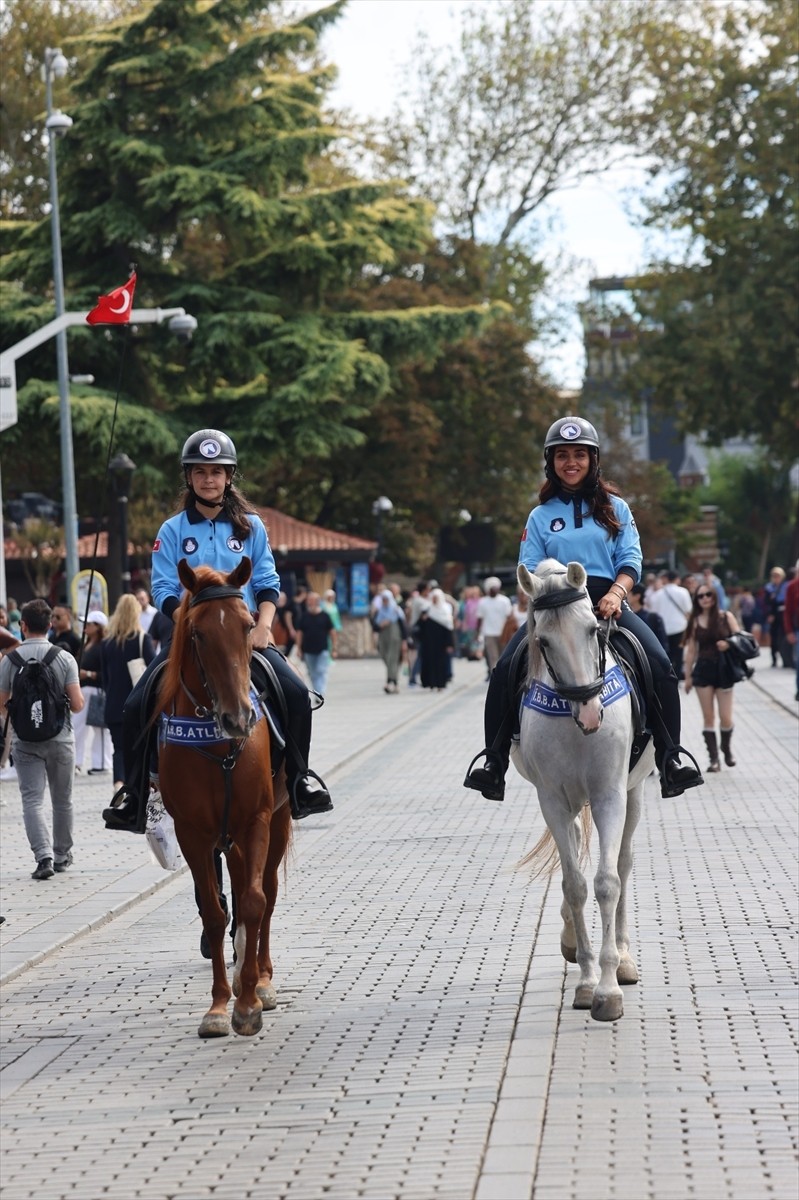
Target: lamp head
58,123
183,327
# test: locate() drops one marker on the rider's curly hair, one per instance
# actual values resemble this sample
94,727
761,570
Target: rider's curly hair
595,490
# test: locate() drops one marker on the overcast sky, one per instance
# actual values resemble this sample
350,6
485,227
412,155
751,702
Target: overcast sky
371,43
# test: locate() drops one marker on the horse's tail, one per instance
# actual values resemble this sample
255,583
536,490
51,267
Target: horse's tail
544,857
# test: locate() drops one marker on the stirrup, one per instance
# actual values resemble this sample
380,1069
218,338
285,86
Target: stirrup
676,789
488,788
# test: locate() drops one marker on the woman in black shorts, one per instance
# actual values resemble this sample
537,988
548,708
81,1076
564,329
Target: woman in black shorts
705,641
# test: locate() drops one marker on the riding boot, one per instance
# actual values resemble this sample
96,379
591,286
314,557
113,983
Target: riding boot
713,750
489,780
308,795
726,748
675,778
128,809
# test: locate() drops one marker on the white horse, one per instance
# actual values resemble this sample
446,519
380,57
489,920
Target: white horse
579,778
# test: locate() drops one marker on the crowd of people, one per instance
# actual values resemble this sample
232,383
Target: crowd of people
685,621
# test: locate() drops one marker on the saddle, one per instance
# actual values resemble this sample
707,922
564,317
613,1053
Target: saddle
633,662
267,694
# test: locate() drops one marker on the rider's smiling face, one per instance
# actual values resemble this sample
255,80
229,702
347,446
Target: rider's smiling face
572,464
208,480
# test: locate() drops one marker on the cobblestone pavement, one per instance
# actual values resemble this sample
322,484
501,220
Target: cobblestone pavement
424,1043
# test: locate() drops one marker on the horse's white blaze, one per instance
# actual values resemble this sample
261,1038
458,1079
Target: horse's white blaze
569,771
221,616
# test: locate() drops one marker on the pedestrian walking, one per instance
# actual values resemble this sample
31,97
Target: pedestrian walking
62,632
49,762
389,624
774,606
636,600
790,620
90,674
705,642
124,641
672,603
493,611
315,629
437,639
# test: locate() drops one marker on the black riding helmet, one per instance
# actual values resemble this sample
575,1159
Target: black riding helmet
209,446
572,431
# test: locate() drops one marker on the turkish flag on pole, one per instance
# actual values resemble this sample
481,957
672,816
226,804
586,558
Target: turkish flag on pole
115,308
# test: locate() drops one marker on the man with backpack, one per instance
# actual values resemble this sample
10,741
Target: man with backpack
38,688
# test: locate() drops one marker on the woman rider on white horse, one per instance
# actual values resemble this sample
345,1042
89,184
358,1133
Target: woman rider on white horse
214,527
582,519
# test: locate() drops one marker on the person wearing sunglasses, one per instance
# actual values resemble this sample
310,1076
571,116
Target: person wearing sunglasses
705,641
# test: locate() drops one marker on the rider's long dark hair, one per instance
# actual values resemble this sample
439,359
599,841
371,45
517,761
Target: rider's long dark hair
235,508
595,490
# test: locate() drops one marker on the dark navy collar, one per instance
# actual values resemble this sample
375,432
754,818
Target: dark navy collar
196,518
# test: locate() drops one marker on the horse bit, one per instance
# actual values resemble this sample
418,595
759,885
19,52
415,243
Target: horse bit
579,694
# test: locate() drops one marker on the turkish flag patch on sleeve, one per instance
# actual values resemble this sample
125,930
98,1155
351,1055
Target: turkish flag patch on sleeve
524,534
156,545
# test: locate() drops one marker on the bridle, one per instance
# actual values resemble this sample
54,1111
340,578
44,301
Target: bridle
578,694
228,762
214,592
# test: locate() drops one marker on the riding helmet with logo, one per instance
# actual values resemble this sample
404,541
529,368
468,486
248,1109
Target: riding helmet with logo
209,446
571,431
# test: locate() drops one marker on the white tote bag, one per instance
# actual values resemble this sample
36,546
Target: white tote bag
137,666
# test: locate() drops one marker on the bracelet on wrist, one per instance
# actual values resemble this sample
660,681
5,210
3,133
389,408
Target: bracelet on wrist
622,589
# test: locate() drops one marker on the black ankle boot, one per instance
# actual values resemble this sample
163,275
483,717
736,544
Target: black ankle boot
726,748
124,813
309,796
712,750
489,780
676,779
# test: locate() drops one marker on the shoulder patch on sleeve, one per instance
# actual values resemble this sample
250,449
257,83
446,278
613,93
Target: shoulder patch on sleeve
156,545
524,534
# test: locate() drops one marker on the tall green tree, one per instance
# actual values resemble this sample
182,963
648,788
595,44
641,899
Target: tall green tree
198,129
719,349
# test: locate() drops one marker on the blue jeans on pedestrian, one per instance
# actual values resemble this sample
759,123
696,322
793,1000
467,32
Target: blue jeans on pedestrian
318,665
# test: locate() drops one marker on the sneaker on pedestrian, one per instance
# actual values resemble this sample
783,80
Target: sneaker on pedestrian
64,863
44,869
7,774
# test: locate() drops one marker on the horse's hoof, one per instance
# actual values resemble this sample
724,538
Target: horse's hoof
583,995
267,995
214,1025
568,952
627,971
607,1008
247,1023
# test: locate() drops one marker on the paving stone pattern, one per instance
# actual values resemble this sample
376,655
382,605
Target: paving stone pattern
424,1043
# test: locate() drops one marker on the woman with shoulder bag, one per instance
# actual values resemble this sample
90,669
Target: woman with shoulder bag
92,716
124,643
706,640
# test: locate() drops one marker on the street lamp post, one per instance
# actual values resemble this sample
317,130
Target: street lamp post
122,468
57,124
381,507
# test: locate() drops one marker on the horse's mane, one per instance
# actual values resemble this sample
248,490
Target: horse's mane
170,681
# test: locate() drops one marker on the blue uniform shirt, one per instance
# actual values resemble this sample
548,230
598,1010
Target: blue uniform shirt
205,543
552,532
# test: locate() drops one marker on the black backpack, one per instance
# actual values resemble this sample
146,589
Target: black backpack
37,706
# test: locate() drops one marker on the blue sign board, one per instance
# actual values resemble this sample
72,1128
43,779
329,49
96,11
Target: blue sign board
359,590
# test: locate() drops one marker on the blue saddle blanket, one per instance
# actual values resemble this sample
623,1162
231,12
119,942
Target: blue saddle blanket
543,699
204,731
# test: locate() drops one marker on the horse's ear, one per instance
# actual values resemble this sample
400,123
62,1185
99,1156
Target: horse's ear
527,582
241,574
576,575
187,576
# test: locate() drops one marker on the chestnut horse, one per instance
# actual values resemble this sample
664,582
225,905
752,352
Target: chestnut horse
218,785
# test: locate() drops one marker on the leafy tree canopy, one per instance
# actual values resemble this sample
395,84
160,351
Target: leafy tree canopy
721,350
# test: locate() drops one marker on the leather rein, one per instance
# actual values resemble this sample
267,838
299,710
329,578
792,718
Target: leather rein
578,694
229,760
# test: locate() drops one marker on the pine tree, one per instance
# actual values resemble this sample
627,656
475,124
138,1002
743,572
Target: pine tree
195,152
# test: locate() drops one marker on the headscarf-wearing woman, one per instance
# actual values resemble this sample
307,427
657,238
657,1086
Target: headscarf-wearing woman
90,674
705,641
124,641
389,625
437,640
582,519
215,526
